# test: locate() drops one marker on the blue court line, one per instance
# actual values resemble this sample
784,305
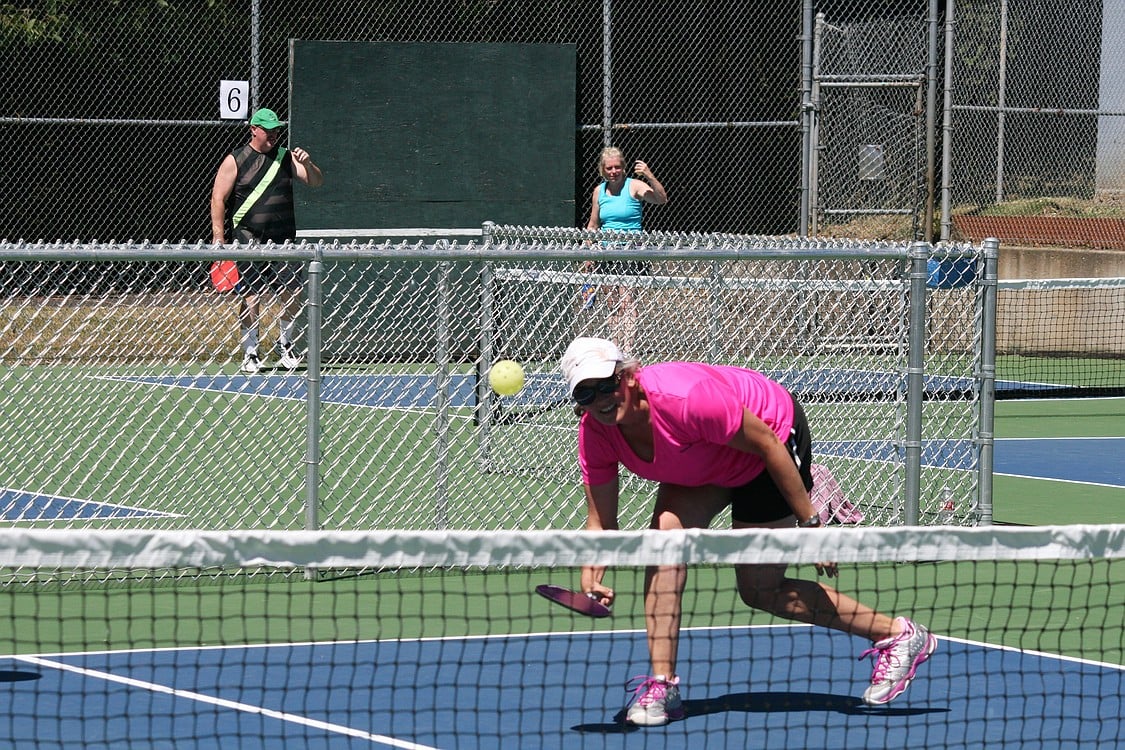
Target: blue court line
791,686
19,505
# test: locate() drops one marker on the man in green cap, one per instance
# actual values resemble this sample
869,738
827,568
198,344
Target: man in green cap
252,201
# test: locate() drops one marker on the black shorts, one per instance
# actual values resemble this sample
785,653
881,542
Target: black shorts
759,500
260,277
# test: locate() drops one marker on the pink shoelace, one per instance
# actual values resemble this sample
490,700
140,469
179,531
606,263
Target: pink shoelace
883,658
649,690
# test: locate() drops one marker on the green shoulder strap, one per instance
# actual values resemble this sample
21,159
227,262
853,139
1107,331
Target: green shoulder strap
267,178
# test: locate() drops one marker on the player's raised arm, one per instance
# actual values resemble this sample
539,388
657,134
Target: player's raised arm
305,169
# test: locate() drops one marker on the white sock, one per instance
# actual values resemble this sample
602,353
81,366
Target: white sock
286,335
250,340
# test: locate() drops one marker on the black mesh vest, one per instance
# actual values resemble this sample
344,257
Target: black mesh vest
271,217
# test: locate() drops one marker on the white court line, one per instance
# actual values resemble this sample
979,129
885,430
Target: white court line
1055,479
1060,437
233,705
139,511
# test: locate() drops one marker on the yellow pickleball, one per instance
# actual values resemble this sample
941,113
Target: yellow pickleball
506,377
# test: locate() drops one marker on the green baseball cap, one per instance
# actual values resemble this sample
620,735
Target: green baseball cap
266,118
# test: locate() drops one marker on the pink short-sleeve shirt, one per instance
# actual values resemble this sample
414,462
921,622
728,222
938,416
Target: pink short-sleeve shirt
695,409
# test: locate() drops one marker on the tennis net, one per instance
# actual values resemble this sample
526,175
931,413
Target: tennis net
435,639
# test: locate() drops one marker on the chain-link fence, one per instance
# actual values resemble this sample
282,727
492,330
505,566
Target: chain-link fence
1035,106
842,118
113,128
125,405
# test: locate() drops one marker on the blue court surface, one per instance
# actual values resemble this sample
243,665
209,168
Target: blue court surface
18,505
783,686
1082,460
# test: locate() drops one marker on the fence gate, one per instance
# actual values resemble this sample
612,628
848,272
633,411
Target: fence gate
868,162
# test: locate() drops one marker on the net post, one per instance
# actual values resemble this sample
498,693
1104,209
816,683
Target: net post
915,381
986,441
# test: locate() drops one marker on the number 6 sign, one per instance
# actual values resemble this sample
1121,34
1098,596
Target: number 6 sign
233,104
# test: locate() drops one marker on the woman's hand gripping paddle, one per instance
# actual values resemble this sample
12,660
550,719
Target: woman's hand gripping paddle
583,604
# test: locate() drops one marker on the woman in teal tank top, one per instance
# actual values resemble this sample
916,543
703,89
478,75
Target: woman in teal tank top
616,205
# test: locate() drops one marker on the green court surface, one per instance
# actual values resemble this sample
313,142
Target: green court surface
136,437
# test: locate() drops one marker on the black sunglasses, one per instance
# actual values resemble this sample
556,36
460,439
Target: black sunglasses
584,395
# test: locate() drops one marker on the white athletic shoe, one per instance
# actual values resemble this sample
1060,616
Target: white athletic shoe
286,355
250,363
896,662
656,701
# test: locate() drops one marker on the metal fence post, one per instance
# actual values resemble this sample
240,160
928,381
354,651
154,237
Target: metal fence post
915,381
483,410
441,385
806,115
986,439
314,309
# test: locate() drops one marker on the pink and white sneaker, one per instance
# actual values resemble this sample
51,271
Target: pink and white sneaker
896,661
656,701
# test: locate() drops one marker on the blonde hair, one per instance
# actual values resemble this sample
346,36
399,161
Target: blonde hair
609,152
628,365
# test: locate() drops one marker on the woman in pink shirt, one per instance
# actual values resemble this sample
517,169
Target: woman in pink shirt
713,436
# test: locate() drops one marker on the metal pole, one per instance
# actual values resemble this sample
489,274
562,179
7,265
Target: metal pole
986,436
931,124
715,313
255,52
947,126
607,72
314,308
442,403
806,114
814,127
1001,100
487,354
915,383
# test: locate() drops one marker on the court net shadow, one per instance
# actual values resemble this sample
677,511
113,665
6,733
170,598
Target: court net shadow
766,702
16,675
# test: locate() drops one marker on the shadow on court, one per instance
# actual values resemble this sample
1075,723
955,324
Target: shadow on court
15,675
766,702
